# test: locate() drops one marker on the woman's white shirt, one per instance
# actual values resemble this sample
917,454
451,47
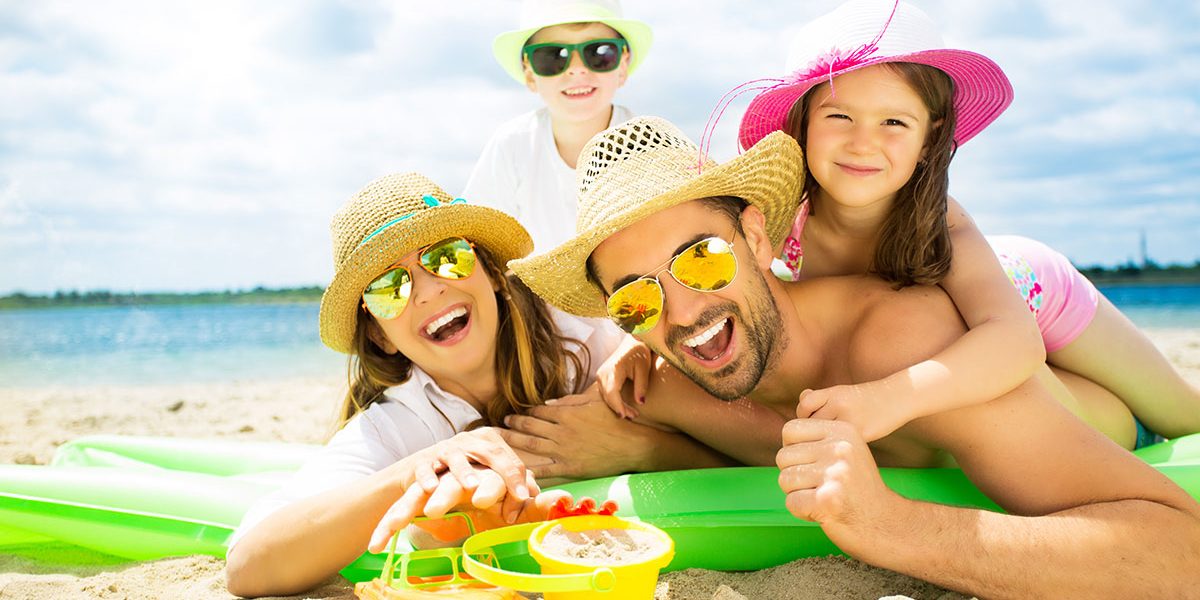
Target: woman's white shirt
408,419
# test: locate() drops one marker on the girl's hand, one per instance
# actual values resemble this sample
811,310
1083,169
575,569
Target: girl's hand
462,453
631,360
489,505
874,414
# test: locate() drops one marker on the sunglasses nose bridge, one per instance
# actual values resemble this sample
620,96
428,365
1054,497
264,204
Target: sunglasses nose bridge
575,63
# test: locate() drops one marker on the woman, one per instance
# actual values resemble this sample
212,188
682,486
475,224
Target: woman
443,346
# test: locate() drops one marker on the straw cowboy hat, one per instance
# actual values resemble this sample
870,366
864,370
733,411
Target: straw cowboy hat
632,170
538,14
862,33
389,218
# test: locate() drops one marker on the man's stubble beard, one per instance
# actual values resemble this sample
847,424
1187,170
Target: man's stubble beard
763,334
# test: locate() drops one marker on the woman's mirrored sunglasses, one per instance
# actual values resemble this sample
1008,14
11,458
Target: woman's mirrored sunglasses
388,294
706,266
601,56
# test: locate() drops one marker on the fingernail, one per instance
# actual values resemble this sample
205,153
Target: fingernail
508,421
522,492
471,481
511,517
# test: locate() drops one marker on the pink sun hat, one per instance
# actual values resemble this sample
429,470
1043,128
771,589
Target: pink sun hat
862,33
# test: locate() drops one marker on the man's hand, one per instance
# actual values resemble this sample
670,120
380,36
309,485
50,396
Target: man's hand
578,437
830,477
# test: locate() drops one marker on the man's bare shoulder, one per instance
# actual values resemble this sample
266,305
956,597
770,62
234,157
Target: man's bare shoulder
897,328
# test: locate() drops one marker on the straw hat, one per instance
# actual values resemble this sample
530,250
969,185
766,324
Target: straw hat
633,170
538,14
862,33
391,217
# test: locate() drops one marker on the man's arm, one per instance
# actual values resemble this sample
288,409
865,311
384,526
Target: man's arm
1087,518
580,437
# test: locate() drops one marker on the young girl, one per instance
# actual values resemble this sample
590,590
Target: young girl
443,346
574,56
880,106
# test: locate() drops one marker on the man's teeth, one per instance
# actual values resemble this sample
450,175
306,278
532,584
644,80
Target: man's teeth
444,319
706,335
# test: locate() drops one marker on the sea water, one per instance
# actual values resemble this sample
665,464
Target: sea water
120,345
131,345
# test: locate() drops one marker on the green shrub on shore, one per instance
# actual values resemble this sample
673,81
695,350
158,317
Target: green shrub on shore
258,295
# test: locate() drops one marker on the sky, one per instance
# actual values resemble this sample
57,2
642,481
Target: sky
182,146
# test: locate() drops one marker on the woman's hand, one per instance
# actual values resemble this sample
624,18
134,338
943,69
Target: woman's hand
632,360
489,505
462,453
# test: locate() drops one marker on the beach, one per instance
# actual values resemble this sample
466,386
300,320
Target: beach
35,420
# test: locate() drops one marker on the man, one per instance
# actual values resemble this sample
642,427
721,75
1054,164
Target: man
675,257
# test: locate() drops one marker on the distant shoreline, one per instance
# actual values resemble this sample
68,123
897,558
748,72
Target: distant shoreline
1101,276
258,295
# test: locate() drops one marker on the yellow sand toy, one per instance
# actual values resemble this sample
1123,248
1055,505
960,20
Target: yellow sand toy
583,575
396,582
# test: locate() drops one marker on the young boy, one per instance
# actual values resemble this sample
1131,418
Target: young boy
574,55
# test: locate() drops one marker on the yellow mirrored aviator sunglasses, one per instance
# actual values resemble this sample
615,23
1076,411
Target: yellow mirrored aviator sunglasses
388,294
706,266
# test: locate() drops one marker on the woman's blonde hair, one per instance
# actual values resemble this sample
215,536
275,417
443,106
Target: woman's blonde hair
534,362
914,240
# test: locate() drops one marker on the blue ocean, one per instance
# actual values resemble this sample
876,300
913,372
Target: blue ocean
231,342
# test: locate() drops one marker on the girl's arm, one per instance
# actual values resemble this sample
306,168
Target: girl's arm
1002,348
631,361
304,543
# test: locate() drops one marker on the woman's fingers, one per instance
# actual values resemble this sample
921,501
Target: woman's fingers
401,513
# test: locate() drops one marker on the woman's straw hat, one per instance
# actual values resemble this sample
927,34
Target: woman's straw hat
391,217
632,170
538,14
862,33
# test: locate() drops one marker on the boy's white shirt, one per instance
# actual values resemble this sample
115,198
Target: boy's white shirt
521,173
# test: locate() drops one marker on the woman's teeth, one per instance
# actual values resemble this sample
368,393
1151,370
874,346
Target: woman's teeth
706,335
442,321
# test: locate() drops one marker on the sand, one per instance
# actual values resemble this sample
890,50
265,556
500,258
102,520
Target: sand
35,421
602,546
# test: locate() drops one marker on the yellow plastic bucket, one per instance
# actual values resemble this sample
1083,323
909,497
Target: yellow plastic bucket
567,579
633,580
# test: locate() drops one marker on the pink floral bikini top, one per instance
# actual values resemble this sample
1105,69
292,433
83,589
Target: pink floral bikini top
793,255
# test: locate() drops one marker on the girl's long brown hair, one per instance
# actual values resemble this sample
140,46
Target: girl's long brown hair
534,362
914,240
